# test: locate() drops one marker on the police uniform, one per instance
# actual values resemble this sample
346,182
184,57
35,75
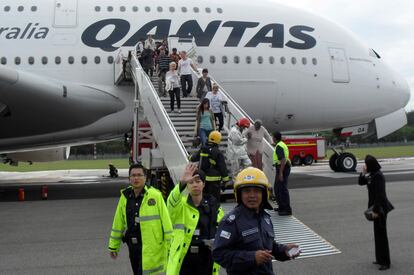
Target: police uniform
143,223
193,228
281,187
213,164
240,234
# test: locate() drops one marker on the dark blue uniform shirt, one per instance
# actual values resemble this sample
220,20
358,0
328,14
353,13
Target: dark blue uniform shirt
240,234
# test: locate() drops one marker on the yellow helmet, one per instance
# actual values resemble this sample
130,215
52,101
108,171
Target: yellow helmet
214,137
253,177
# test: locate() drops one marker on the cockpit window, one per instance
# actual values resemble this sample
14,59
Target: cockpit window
373,53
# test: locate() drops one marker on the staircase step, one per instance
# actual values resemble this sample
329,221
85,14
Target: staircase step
184,123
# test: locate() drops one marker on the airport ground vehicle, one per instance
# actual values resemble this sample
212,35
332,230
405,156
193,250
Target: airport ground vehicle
305,149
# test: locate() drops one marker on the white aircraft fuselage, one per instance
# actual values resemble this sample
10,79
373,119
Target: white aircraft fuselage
294,70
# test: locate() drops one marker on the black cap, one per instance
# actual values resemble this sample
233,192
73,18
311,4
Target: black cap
201,174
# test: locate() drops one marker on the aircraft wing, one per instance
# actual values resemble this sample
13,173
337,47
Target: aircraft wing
31,104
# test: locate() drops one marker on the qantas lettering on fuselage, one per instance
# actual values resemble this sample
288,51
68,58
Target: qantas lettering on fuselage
272,34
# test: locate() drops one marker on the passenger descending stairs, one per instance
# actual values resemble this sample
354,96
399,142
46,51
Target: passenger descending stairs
184,123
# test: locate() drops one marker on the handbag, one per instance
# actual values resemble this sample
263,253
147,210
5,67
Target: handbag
168,85
369,213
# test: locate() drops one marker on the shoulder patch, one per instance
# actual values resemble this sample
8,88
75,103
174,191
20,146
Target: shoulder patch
231,218
152,202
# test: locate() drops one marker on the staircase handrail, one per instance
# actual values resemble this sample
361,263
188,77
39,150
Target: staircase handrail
171,146
233,113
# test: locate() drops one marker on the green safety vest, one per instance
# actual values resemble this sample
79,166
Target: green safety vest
285,151
156,230
184,218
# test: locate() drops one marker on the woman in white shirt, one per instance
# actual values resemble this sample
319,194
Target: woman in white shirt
173,87
216,103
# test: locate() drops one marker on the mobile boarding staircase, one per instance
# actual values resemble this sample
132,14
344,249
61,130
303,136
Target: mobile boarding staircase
173,134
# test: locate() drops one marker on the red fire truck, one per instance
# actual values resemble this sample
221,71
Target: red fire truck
305,149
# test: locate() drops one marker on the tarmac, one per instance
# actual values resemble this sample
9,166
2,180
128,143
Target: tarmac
68,233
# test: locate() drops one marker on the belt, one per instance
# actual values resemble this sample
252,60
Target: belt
196,249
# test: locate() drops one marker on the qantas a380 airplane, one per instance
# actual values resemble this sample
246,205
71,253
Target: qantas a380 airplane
295,70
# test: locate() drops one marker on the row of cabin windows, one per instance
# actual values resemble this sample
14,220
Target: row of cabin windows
159,9
200,60
19,8
260,60
58,60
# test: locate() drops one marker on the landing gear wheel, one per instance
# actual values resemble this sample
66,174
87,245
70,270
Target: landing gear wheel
333,163
347,162
296,160
308,160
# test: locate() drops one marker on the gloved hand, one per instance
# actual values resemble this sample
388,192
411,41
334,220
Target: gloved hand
209,243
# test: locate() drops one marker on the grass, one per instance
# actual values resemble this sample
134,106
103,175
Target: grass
381,152
360,153
65,165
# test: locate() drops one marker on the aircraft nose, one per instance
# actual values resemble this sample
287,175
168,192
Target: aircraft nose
404,92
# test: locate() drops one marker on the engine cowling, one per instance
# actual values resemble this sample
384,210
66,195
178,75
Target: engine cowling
54,154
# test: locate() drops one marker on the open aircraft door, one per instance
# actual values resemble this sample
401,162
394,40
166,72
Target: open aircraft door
339,64
66,14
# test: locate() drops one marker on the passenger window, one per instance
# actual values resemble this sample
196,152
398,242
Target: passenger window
31,60
208,10
248,59
58,60
71,60
33,8
7,8
97,8
282,60
183,9
110,59
293,60
97,60
122,9
304,61
110,8
159,9
260,59
44,60
220,10
212,59
17,60
134,8
200,59
314,61
147,9
84,60
20,8
271,60
236,59
172,9
224,59
3,61
196,10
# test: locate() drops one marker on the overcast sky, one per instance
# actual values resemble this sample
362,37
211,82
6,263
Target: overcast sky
386,26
